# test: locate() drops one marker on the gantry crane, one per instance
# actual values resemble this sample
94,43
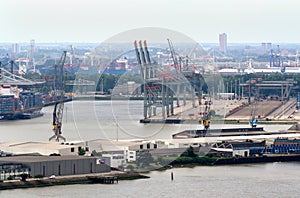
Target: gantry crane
59,89
173,55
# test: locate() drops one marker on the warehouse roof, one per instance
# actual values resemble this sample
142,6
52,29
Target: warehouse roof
24,159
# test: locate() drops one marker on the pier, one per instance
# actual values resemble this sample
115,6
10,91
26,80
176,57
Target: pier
103,179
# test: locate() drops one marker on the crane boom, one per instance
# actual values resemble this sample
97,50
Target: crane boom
173,55
147,53
59,104
139,58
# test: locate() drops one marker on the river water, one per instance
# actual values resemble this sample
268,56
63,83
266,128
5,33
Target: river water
86,120
255,180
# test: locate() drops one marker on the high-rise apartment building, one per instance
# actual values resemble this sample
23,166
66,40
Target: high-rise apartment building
15,50
223,42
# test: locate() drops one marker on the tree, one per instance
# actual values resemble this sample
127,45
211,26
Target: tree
24,176
144,158
189,152
81,151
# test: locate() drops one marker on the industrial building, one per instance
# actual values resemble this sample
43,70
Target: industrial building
239,149
50,165
117,153
42,148
284,146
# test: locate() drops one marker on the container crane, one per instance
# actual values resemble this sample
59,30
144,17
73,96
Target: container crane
173,55
59,104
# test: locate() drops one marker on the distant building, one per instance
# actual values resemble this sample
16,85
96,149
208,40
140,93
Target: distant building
269,46
15,50
266,47
223,42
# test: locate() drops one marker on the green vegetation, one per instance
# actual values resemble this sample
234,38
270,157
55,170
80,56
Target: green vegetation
194,161
189,153
143,159
146,162
81,151
39,176
10,177
24,176
190,157
54,154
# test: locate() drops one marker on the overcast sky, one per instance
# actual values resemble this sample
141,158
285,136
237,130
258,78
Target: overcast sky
97,20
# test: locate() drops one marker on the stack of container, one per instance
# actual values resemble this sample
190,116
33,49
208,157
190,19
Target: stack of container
31,100
9,105
14,103
38,101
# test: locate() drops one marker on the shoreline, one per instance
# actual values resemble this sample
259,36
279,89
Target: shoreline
102,178
115,176
207,161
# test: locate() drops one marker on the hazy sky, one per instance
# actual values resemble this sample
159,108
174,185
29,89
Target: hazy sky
97,20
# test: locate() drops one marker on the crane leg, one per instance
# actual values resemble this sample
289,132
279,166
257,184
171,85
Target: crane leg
57,138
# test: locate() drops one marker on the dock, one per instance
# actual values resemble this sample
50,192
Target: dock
103,179
230,132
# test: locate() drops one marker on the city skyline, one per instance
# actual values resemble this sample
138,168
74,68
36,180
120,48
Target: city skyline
248,21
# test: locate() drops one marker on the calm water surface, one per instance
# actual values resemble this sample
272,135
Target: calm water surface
85,120
259,180
105,119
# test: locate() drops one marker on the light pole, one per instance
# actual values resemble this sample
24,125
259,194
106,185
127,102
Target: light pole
117,138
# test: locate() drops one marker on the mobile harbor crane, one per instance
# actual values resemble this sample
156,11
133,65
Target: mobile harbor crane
59,89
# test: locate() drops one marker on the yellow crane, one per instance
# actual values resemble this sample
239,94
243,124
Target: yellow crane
59,89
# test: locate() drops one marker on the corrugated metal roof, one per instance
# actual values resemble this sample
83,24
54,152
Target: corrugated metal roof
28,159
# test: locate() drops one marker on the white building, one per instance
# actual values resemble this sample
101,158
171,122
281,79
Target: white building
42,148
114,160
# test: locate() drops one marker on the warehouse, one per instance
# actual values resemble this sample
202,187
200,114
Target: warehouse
51,165
42,148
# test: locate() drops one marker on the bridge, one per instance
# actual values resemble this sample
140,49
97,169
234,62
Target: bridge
8,78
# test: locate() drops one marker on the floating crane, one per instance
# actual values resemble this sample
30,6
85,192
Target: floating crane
59,89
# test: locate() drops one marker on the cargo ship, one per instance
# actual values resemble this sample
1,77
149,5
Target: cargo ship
17,103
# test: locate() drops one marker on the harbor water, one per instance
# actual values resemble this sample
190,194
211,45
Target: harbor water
255,180
87,120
